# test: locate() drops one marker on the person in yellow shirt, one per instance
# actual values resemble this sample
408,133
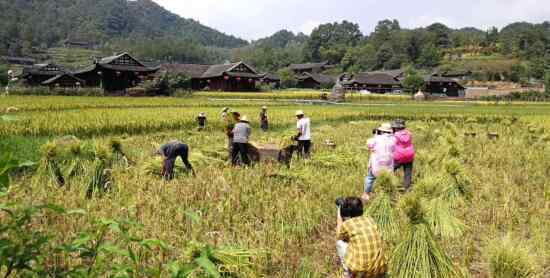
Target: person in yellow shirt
359,243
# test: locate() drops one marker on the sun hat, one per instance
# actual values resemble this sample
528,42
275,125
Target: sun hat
244,119
385,127
202,114
398,124
299,113
264,107
225,109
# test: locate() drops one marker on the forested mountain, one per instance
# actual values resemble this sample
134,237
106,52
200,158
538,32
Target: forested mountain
46,23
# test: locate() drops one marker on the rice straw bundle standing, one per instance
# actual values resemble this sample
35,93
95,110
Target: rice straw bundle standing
419,254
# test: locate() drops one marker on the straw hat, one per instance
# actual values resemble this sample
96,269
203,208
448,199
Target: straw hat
244,119
202,114
264,107
225,109
385,127
299,113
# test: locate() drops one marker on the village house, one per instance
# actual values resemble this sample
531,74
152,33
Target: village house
374,82
116,73
25,61
444,85
36,74
315,81
64,80
230,77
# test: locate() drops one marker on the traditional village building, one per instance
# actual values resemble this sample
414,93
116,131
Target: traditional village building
315,81
271,79
299,69
444,85
375,82
230,77
36,74
116,73
65,80
398,74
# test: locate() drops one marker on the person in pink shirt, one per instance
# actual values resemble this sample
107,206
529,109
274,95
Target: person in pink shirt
404,152
381,148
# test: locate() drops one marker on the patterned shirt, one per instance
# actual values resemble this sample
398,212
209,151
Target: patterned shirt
365,251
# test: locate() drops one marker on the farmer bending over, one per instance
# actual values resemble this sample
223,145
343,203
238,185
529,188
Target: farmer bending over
304,135
381,148
170,152
359,243
241,134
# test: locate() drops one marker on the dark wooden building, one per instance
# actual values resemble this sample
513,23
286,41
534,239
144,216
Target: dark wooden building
193,71
65,80
300,69
375,82
444,85
271,79
230,77
398,74
315,81
115,73
36,74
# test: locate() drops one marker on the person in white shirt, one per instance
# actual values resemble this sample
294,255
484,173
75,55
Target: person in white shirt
304,135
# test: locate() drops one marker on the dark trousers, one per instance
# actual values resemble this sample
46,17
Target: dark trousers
169,163
239,149
304,147
264,125
407,173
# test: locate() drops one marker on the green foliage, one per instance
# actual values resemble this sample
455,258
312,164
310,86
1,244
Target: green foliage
547,83
414,81
288,80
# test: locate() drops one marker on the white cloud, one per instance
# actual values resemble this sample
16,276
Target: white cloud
253,19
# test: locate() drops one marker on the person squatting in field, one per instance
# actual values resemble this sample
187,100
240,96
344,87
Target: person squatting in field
359,242
170,152
304,135
381,148
241,134
404,152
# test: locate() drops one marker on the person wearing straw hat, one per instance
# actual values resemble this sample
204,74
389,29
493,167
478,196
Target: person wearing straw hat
404,153
229,120
304,135
201,120
381,148
264,123
241,135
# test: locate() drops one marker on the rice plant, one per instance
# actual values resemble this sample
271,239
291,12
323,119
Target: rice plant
510,258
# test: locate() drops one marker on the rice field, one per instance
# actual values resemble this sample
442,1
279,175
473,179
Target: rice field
484,203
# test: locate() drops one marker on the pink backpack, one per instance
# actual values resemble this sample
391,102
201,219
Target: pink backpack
404,149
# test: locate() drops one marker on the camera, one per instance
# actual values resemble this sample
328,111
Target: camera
340,202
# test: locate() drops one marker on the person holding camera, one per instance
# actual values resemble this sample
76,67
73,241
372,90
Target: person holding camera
170,152
381,148
359,244
304,135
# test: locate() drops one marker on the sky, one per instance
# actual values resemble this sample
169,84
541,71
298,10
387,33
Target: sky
255,19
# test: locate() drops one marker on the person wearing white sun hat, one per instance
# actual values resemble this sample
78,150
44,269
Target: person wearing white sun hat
381,148
304,134
201,120
241,135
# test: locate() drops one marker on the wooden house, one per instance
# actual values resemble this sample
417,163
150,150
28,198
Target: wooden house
36,74
65,80
315,80
115,73
444,85
375,82
230,77
271,79
25,61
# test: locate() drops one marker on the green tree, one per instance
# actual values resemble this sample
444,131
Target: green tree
547,83
414,81
430,57
288,80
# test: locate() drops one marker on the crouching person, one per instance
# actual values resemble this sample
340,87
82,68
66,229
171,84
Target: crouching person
359,243
170,152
